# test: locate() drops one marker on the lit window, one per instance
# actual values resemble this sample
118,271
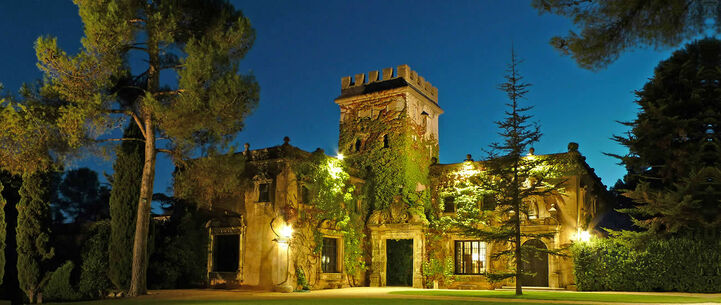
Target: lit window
470,257
449,204
264,192
329,259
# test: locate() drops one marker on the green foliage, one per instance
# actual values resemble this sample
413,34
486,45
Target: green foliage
82,198
199,41
180,250
302,282
673,163
33,233
58,287
638,263
211,179
333,198
124,196
610,27
94,281
3,233
508,179
394,171
438,270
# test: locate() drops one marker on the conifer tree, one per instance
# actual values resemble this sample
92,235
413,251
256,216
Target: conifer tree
123,207
674,158
201,41
33,234
508,178
610,27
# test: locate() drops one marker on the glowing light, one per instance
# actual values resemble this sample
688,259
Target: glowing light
468,170
286,232
474,257
340,156
583,236
334,169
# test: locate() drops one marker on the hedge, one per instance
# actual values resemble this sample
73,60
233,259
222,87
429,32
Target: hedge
623,264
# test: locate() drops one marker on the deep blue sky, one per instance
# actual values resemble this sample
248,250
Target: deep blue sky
303,48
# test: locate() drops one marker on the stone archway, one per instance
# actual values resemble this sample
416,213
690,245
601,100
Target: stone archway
536,263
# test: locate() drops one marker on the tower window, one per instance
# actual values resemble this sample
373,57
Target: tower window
357,145
385,141
449,204
264,192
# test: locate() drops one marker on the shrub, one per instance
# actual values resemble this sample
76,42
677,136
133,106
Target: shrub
58,287
624,263
94,280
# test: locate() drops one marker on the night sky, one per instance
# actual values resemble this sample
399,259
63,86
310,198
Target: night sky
303,48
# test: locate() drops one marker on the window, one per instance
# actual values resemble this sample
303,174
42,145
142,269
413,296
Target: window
357,145
226,253
449,204
304,194
470,257
385,141
329,259
489,203
264,192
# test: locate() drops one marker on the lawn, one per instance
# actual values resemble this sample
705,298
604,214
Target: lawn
291,301
569,296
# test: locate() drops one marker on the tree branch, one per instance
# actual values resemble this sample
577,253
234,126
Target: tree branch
172,92
120,139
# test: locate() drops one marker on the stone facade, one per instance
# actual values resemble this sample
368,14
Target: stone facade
388,115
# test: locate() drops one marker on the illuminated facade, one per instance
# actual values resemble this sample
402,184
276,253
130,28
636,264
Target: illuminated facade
389,137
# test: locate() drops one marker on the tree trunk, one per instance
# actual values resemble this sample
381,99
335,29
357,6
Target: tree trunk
517,208
138,278
138,285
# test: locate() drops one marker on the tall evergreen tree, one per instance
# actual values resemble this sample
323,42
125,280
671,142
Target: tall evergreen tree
123,206
33,234
610,27
509,178
82,198
674,159
202,41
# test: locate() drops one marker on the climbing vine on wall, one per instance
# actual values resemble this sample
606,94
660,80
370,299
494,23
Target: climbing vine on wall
395,155
331,200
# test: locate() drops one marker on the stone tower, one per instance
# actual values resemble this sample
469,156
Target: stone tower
389,129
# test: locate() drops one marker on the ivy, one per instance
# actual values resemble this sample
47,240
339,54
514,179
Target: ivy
332,198
395,156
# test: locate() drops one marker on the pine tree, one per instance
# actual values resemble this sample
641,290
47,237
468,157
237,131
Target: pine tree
123,207
33,234
508,178
610,27
674,159
202,41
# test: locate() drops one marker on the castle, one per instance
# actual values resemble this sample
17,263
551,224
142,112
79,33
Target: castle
269,238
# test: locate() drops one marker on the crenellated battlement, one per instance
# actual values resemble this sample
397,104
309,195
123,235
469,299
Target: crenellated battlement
401,72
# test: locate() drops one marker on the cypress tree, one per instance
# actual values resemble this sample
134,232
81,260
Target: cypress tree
124,207
33,233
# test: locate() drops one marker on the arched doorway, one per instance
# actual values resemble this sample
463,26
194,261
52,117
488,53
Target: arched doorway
537,263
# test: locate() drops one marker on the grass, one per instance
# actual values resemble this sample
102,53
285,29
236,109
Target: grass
289,301
568,296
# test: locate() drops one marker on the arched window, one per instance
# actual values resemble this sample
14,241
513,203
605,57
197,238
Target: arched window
357,145
385,141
